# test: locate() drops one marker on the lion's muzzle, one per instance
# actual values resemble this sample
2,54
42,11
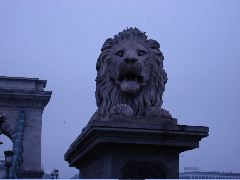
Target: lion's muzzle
130,77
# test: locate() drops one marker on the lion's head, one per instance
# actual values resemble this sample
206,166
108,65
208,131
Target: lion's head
130,71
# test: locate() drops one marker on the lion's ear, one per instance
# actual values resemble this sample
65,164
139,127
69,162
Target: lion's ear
107,44
153,44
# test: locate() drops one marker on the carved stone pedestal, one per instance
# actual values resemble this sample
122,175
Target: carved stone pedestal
135,147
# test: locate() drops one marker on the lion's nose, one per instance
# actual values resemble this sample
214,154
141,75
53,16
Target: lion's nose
130,60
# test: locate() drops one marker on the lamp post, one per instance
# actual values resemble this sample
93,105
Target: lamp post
55,174
8,161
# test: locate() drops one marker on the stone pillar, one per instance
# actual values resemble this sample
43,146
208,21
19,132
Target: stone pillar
132,148
28,95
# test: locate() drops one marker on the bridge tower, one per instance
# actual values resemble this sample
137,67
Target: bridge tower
22,101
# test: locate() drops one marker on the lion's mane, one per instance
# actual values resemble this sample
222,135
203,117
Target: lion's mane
109,94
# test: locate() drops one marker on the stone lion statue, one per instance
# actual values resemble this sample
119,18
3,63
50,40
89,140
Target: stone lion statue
130,76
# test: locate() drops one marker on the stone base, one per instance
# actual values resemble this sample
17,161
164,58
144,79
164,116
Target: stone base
32,174
132,148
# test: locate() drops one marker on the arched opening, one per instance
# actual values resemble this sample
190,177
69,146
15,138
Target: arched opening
4,146
143,170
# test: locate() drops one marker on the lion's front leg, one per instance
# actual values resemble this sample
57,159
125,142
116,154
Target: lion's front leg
121,109
158,111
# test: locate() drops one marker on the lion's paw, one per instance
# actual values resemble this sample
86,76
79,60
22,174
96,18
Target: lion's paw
159,112
121,109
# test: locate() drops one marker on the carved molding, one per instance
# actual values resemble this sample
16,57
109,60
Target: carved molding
13,98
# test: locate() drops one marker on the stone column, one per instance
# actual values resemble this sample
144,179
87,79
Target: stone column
28,95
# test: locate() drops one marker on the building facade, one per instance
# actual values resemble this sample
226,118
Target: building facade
209,175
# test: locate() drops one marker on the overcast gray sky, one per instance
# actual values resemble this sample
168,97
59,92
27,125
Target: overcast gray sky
60,41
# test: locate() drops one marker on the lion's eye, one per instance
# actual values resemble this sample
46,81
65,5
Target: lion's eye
141,52
120,53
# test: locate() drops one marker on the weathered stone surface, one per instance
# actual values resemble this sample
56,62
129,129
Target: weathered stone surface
28,95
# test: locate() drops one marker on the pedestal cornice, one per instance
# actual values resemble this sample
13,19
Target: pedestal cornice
150,132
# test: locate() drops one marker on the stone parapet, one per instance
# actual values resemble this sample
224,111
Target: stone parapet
22,83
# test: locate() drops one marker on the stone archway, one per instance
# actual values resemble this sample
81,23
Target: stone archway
22,101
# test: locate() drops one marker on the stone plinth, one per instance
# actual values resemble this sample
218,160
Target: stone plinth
137,147
25,94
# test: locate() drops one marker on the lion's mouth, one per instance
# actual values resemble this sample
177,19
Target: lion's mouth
130,76
130,82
